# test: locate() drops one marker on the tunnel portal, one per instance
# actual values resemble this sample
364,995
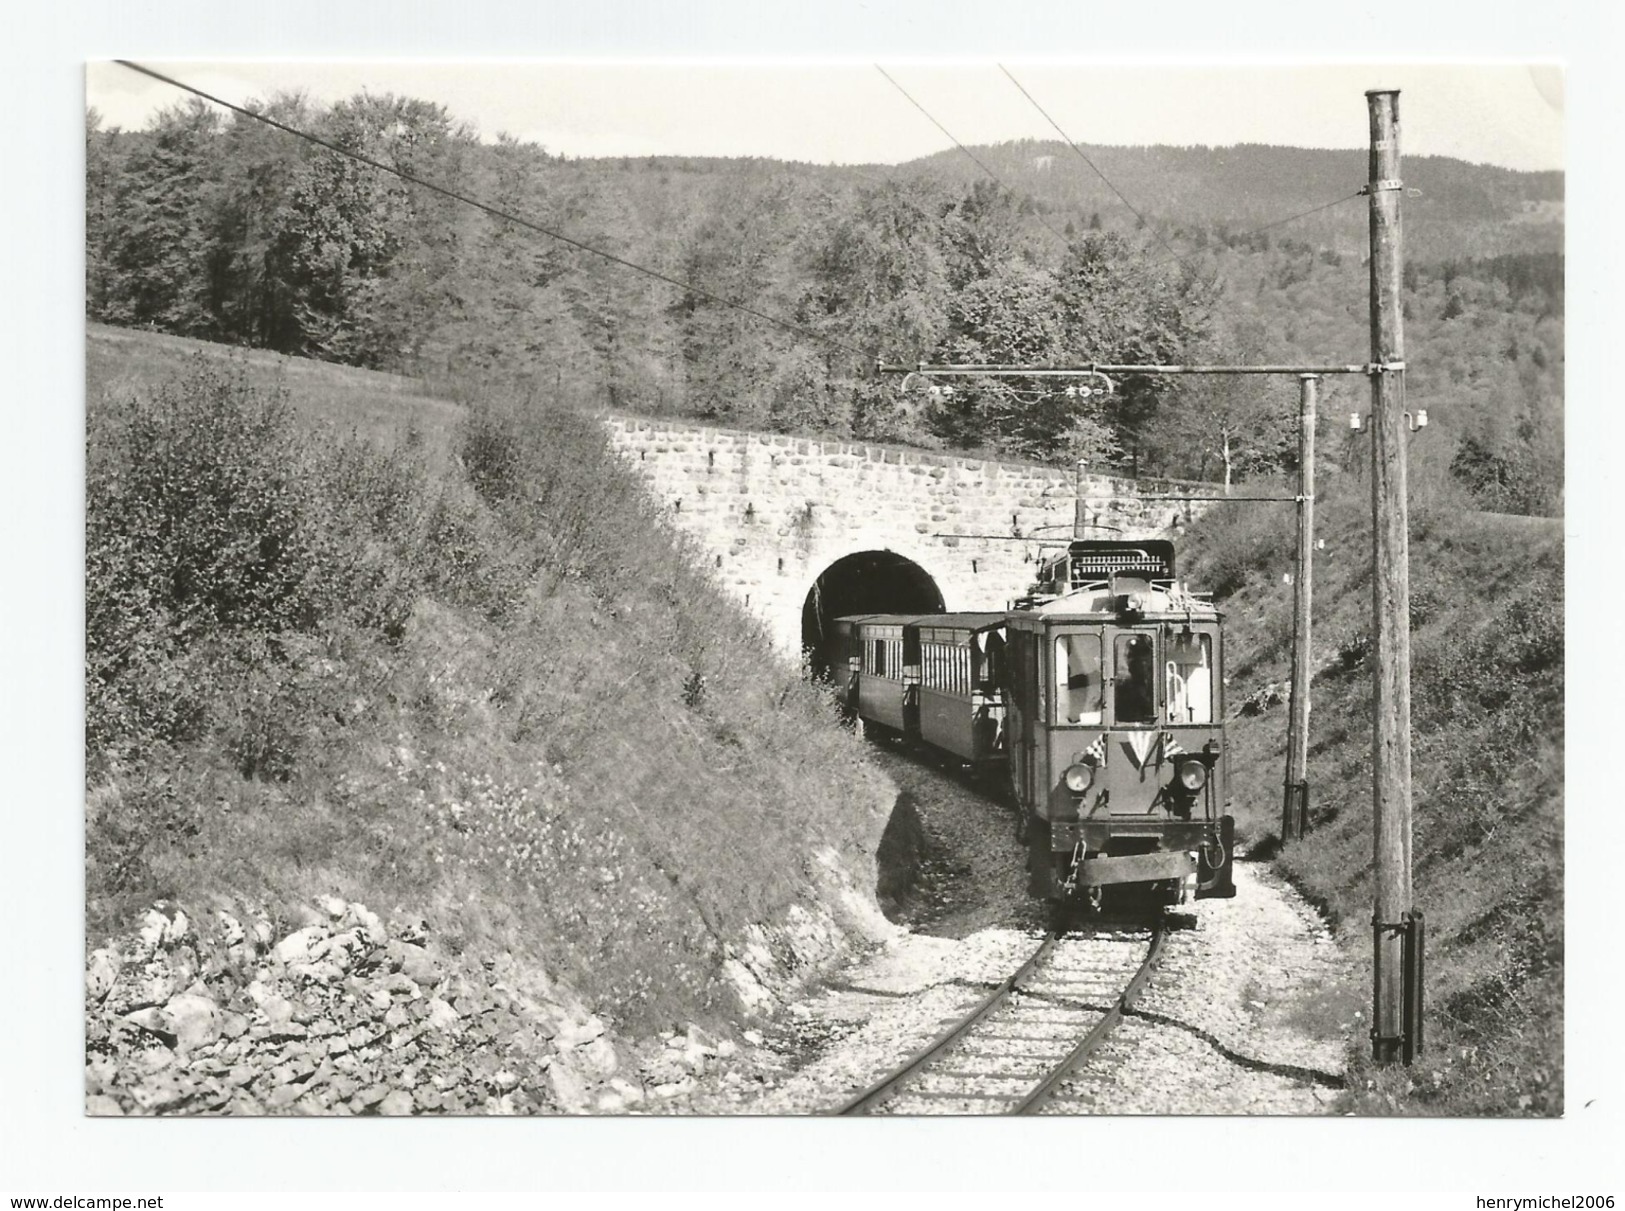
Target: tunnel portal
868,582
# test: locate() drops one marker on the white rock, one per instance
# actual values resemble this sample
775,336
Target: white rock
101,973
367,924
194,1019
333,906
231,929
151,1018
295,948
151,930
441,1014
277,1011
567,1083
598,1059
750,992
505,1081
573,1033
702,1039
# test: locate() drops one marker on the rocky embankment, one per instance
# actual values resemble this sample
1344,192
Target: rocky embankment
349,1015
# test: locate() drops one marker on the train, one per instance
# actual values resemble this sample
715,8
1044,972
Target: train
1099,694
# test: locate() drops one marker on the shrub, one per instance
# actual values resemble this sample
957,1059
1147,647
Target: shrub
495,688
217,529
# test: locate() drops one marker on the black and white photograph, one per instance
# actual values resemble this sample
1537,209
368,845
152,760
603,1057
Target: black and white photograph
596,606
1014,596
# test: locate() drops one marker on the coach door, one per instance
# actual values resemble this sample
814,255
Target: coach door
1023,722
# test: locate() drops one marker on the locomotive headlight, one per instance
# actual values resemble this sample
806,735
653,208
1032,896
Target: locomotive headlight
1079,778
1191,775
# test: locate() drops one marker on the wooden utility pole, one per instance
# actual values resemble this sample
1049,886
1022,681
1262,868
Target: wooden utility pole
1394,939
1080,517
1295,801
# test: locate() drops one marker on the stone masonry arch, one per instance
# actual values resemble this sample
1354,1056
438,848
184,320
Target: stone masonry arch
772,513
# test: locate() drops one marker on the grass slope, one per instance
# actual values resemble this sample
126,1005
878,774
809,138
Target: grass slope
1487,726
348,638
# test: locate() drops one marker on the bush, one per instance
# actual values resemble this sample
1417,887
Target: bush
496,689
1240,541
218,531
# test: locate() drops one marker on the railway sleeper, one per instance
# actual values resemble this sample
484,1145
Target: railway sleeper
1057,1045
950,1103
985,1084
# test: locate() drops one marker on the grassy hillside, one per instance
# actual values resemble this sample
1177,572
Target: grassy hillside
1487,721
347,638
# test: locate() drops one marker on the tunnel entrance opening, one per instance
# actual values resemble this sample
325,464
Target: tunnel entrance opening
868,582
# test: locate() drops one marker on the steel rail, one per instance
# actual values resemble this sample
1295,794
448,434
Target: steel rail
879,1092
1097,1034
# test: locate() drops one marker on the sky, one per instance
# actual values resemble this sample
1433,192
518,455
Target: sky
1509,114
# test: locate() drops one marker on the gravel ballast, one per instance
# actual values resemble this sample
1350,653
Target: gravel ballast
1247,1014
1223,1027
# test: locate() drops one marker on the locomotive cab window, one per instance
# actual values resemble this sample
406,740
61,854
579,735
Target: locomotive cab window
1079,684
1188,673
1134,697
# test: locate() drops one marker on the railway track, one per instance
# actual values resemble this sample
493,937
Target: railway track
1021,1049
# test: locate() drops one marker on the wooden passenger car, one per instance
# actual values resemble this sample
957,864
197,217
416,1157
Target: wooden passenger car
961,659
886,664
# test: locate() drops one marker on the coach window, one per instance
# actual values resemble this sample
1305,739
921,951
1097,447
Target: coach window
991,667
1189,673
1134,678
1078,686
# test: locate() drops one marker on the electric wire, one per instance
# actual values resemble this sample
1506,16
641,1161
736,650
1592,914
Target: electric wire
1173,256
973,157
1291,218
1121,196
496,212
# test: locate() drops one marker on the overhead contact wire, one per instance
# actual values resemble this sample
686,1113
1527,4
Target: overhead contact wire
495,212
973,157
1121,196
1291,218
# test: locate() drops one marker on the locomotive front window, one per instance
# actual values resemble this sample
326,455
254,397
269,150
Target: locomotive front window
1189,678
1079,686
1134,699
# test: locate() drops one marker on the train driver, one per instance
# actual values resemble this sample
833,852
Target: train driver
1135,699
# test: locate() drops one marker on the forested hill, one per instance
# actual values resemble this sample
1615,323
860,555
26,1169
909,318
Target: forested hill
1452,208
218,227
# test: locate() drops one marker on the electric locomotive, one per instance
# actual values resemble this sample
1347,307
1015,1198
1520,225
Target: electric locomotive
1114,709
1101,692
